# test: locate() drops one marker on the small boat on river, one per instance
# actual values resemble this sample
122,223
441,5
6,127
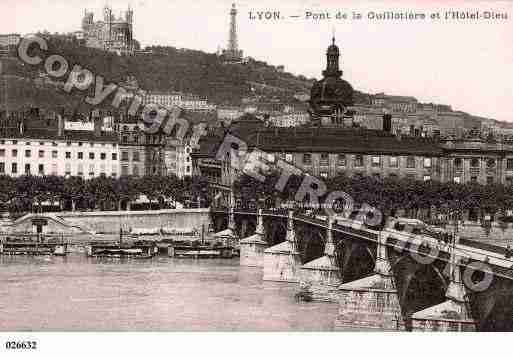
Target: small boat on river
126,249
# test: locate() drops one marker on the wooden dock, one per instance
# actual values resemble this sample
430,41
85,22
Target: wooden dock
33,245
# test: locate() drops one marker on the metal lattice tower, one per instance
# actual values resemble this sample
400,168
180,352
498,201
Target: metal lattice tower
232,42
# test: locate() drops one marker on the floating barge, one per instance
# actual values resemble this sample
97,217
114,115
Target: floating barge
31,244
200,251
115,249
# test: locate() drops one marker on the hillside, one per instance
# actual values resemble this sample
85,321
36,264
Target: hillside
171,69
161,69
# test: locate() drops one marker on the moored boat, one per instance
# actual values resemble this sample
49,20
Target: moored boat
30,244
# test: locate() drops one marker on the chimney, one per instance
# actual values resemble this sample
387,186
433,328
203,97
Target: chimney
60,125
387,123
97,126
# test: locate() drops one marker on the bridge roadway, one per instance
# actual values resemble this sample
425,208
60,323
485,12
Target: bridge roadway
418,287
354,228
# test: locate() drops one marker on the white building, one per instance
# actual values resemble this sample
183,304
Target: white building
177,158
171,99
293,119
74,156
229,113
9,40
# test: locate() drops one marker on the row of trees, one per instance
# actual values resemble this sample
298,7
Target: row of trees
35,193
419,199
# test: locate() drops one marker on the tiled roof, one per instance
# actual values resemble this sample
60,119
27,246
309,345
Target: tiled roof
339,140
51,134
323,139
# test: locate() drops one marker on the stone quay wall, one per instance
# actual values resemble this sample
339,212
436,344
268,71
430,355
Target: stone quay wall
111,221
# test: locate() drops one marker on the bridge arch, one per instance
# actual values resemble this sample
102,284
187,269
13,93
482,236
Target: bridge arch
419,285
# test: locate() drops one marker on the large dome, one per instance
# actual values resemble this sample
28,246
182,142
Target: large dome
332,90
331,95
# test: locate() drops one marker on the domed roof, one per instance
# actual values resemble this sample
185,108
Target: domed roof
332,93
332,89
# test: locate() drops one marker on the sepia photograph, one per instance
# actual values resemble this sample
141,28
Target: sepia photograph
254,166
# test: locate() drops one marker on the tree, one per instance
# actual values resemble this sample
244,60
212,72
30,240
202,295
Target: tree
7,190
74,191
126,189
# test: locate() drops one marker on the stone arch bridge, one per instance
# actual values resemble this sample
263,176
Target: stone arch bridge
384,280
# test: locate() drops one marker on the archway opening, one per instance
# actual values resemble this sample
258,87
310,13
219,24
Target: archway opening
425,289
355,261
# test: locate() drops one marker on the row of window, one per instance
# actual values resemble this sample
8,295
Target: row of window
135,156
473,179
358,160
42,169
68,143
476,162
412,176
55,154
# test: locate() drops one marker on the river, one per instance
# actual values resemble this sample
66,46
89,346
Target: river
76,293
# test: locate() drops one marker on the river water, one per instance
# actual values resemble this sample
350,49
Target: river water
76,293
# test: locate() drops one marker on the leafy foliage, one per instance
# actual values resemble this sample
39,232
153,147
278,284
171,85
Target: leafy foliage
391,195
33,193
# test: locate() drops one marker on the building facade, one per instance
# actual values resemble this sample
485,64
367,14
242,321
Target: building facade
43,147
290,119
9,40
8,44
185,101
391,136
134,157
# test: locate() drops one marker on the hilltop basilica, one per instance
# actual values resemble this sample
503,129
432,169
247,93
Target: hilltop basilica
114,34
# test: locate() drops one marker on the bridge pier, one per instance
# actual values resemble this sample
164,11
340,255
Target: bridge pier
371,302
453,314
228,236
282,261
322,275
252,247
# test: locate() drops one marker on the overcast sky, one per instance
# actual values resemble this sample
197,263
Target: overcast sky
466,64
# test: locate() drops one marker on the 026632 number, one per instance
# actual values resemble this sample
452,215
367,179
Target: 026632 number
22,345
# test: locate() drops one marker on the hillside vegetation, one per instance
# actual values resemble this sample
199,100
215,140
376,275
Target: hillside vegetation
171,69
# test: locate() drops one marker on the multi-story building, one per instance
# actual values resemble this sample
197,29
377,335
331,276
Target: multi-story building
478,160
164,99
229,113
325,152
36,146
7,40
177,159
8,43
134,155
196,103
290,119
412,147
405,104
114,34
186,101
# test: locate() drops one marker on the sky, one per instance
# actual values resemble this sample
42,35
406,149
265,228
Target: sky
467,64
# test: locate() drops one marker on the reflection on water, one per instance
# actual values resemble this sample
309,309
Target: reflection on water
79,293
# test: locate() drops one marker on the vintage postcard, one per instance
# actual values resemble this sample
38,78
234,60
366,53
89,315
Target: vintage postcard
255,166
